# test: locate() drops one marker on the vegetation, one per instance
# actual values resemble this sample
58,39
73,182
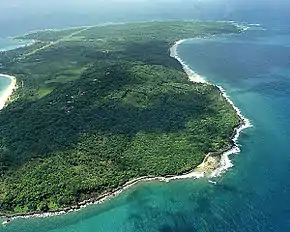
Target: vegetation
99,106
50,35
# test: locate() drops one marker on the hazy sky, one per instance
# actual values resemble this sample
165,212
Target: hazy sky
18,16
103,10
58,4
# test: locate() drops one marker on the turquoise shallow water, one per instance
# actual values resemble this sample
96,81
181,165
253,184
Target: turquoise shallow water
254,195
9,43
4,83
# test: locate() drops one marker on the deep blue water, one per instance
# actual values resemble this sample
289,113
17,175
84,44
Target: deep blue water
254,195
254,70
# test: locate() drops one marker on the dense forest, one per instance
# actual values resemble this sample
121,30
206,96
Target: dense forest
99,106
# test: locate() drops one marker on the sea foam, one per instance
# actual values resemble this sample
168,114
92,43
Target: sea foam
8,91
225,162
193,76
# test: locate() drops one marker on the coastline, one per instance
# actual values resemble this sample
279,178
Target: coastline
213,164
26,43
225,162
193,76
8,92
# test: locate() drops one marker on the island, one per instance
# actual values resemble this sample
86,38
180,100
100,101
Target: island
98,108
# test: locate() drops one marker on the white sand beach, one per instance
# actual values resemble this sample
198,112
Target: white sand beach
8,92
212,165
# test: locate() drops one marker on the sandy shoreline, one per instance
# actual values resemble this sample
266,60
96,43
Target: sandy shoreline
225,162
193,76
212,166
8,92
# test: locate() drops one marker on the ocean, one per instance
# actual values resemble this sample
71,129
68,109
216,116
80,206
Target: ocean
8,43
4,83
253,195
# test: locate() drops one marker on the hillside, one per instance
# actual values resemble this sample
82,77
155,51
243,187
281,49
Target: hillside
99,106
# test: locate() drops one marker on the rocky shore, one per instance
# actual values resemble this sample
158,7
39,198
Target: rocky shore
214,163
